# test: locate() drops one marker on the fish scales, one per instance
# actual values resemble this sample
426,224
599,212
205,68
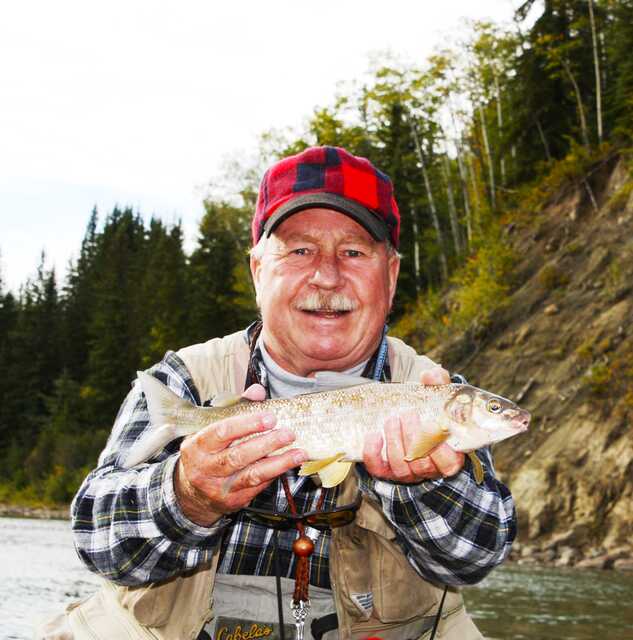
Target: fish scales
335,422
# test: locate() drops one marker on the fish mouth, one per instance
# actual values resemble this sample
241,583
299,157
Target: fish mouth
521,422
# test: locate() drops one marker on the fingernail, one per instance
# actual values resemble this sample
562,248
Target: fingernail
299,457
286,435
268,420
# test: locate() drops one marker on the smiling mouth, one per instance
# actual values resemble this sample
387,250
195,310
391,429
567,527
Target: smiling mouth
329,314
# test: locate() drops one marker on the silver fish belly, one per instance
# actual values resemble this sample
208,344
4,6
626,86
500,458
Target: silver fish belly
334,424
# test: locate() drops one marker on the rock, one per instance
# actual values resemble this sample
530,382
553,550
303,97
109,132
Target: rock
549,555
526,561
522,334
551,310
528,551
504,343
624,564
573,537
599,562
595,552
619,553
567,557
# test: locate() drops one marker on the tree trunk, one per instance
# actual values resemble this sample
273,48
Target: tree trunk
581,109
463,177
429,194
502,162
491,169
477,203
452,210
416,250
596,65
541,133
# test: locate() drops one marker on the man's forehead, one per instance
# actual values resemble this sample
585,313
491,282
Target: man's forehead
320,222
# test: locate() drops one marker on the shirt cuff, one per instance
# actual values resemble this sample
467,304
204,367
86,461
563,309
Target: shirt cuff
385,488
170,519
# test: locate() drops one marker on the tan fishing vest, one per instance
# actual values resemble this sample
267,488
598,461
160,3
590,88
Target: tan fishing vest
365,560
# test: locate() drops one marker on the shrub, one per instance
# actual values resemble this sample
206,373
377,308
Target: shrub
478,289
552,277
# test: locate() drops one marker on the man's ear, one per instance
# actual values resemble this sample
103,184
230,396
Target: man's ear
256,265
393,267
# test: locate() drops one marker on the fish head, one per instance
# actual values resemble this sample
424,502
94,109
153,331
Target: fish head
485,416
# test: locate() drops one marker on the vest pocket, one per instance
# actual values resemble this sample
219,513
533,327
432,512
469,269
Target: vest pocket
348,557
151,604
399,592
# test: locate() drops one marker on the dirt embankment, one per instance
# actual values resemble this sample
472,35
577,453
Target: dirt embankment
563,346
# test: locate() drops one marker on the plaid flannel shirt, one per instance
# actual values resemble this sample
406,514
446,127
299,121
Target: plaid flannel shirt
128,526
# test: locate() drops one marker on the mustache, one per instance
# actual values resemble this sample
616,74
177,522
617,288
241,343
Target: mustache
327,302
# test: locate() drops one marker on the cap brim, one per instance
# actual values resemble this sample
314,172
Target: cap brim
370,221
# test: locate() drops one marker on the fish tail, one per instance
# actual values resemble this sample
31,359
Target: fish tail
149,445
163,406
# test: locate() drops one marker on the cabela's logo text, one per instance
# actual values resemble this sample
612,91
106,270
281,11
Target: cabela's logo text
255,631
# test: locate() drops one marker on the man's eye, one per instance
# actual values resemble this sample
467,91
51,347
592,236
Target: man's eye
353,253
301,251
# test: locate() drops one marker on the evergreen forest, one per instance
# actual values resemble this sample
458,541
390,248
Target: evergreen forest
475,138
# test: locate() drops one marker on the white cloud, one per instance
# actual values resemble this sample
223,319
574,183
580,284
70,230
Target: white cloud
146,97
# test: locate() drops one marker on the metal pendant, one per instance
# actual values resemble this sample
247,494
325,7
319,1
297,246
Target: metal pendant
300,611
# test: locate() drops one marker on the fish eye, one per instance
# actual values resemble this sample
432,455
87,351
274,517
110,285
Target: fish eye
494,406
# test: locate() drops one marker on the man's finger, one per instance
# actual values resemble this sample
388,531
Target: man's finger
425,469
436,375
233,459
372,456
219,435
448,461
395,446
255,393
264,470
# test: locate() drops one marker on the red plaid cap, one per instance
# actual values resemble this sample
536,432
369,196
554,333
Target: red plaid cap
331,178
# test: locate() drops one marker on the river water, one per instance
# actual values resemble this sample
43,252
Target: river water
39,573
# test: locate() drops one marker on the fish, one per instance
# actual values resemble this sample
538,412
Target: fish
331,425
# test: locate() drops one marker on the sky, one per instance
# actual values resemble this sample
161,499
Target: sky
141,103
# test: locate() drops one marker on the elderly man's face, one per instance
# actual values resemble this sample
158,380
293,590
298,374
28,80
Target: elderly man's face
324,287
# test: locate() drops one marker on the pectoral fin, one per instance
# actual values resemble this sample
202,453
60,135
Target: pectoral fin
314,466
478,470
332,471
426,443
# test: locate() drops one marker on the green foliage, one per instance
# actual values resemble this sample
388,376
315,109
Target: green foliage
599,378
551,277
482,134
423,322
482,285
479,289
69,358
557,176
619,199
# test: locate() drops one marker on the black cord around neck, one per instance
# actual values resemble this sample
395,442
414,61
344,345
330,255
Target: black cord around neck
438,615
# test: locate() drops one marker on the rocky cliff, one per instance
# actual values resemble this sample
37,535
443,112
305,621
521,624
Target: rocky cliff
563,347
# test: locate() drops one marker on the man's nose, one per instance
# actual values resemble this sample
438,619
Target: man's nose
327,274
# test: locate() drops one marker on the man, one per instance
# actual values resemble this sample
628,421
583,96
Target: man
183,559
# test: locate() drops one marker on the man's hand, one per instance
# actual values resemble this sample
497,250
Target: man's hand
401,434
214,478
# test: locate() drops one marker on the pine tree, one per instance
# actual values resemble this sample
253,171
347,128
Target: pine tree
219,274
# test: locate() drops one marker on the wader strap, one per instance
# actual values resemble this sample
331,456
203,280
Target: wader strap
324,624
280,606
439,614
